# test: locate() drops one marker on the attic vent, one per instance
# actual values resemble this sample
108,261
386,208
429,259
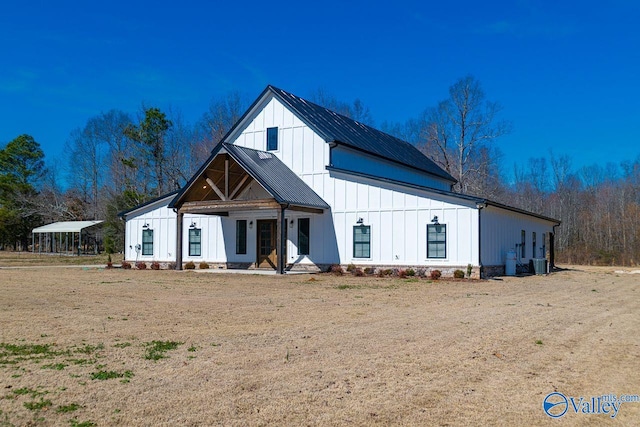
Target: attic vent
263,155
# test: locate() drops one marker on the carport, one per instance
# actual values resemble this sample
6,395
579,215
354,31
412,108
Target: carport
67,237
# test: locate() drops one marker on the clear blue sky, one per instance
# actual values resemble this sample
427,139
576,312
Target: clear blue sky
566,73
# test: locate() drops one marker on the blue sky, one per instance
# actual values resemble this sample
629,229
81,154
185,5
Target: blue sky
566,73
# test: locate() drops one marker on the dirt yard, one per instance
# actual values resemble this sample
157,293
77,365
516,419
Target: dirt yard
87,346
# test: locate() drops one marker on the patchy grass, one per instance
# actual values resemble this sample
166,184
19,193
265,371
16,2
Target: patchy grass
107,375
157,350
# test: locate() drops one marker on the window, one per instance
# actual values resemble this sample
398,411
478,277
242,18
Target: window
362,241
523,242
436,241
272,139
241,236
147,242
533,238
194,242
303,236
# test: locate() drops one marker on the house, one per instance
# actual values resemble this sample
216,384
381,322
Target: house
296,186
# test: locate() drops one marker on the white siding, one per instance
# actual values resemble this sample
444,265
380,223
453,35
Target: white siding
501,230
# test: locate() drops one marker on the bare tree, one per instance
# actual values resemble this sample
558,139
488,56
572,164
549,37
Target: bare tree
356,110
459,127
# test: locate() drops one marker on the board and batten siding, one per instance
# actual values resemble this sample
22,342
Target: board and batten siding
398,215
162,221
501,231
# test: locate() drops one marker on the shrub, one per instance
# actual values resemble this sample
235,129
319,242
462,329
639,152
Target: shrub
171,266
126,265
387,272
109,262
351,268
190,265
337,269
380,273
411,272
141,265
358,272
435,274
402,273
469,270
204,266
421,272
369,270
458,274
155,265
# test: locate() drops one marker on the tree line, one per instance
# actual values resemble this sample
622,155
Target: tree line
117,161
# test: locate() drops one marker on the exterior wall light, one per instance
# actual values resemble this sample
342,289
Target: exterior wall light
435,220
250,224
360,221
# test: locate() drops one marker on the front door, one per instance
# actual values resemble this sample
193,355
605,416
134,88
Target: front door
267,241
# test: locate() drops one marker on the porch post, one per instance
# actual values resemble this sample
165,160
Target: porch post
281,240
180,218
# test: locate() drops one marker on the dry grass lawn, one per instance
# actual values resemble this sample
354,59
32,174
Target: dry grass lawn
312,349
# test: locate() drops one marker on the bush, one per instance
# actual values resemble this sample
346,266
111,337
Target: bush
402,273
155,265
337,270
380,273
469,270
171,266
109,262
435,274
369,270
126,265
387,272
351,268
458,274
411,272
358,272
421,272
141,265
204,266
190,265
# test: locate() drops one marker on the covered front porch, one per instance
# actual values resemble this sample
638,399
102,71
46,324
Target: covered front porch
259,199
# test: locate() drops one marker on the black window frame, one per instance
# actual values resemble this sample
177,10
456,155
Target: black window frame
304,238
361,243
241,237
147,245
193,244
272,139
523,244
442,231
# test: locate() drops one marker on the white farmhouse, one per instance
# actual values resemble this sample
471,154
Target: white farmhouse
296,186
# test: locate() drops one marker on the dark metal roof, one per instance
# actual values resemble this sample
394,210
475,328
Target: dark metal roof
334,127
280,181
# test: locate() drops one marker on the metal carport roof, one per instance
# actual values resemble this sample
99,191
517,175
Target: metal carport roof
66,227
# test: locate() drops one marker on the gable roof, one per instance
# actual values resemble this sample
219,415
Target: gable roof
274,176
339,129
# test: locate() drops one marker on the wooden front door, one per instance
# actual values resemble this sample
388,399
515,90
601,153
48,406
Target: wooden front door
267,242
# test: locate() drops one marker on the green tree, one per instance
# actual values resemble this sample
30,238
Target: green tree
150,135
21,167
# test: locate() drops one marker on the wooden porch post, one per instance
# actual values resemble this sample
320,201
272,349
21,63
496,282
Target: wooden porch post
180,218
